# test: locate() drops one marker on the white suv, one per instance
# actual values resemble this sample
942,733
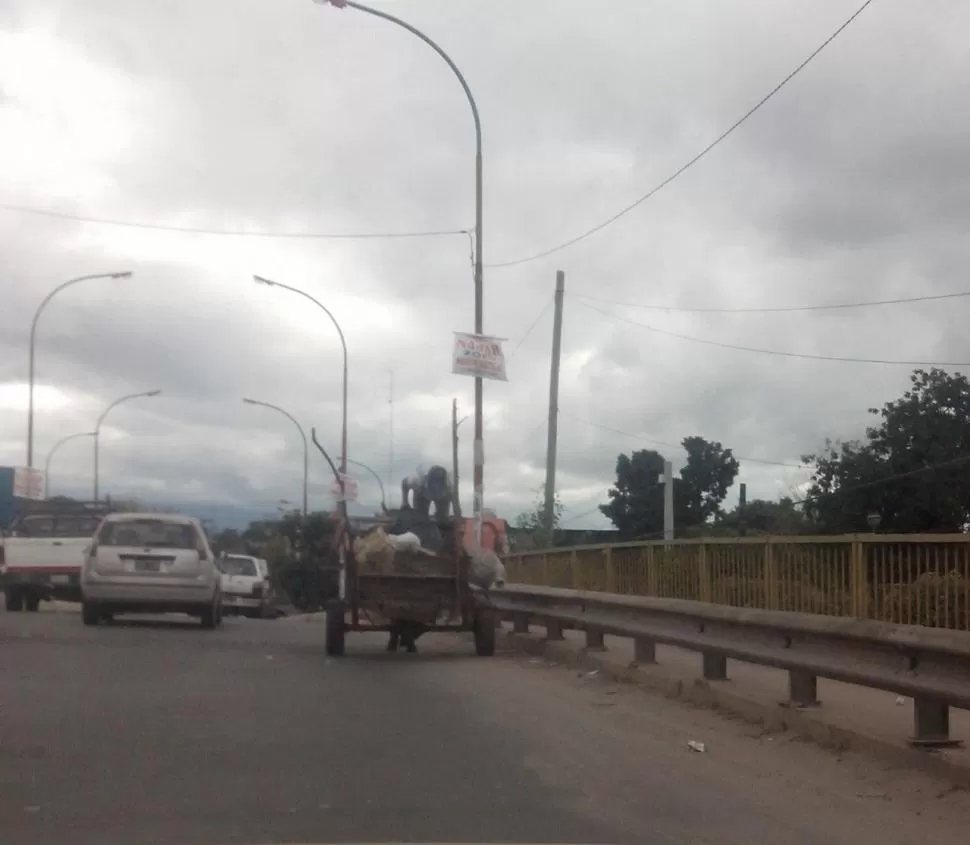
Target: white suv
150,563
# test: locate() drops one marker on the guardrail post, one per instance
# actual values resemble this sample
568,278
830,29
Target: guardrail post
802,689
553,630
574,569
594,640
715,666
931,725
610,572
545,571
520,623
644,650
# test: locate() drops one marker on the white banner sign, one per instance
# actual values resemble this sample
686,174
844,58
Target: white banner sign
479,355
28,483
350,488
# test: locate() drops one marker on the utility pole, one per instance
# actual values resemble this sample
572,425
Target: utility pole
454,457
549,515
668,482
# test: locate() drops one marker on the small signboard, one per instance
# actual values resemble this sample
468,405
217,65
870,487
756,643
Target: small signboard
478,355
350,488
28,483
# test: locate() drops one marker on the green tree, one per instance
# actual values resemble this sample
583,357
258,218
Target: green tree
636,504
533,521
911,469
761,516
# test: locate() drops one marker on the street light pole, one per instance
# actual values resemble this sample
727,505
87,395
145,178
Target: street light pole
306,451
33,336
97,429
343,342
479,447
50,454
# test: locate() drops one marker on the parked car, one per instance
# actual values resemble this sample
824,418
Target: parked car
150,563
246,589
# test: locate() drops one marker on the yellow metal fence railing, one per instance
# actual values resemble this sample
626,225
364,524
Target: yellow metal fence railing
912,579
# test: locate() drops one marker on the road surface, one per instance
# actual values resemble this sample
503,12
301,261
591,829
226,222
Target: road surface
161,733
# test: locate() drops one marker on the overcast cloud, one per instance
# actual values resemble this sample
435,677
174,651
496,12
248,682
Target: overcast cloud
285,116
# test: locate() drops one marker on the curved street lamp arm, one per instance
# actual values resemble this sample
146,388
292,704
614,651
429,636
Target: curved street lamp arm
377,13
306,448
377,478
117,402
314,300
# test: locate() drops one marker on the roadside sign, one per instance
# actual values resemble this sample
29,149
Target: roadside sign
478,355
350,488
28,483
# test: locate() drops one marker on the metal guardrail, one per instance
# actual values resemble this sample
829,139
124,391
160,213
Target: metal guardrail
930,665
910,579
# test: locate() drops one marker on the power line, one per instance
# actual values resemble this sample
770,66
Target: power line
773,309
685,167
680,445
234,233
778,352
529,330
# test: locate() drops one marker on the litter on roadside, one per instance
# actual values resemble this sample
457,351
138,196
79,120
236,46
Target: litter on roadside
699,747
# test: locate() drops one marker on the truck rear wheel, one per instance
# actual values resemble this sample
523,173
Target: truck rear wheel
336,629
485,634
14,599
32,602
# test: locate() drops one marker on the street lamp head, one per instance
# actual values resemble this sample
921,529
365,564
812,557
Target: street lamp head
337,4
126,274
152,393
262,280
250,401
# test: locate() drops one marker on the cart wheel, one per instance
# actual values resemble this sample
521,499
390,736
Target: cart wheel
485,634
335,629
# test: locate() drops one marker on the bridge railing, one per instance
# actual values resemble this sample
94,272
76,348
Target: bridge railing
908,579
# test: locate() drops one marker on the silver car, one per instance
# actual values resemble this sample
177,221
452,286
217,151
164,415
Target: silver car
150,563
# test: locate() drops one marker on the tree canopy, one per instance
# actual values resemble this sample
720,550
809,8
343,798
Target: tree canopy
911,469
636,500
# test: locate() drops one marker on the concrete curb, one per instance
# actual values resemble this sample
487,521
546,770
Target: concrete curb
701,693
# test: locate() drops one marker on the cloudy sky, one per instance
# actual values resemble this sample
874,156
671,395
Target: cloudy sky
286,117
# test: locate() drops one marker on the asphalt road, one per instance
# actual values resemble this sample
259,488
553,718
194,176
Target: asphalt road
161,733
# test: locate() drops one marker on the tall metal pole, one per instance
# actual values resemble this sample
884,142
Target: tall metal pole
97,430
50,454
31,354
549,514
479,446
343,343
306,449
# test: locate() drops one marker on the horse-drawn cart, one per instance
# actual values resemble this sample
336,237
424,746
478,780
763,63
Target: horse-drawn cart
418,591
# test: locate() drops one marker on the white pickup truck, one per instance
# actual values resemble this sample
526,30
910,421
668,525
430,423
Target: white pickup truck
41,556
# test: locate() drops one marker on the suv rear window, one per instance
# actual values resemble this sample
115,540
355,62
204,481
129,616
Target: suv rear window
155,533
239,566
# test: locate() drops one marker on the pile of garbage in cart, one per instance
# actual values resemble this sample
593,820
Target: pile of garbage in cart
411,545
